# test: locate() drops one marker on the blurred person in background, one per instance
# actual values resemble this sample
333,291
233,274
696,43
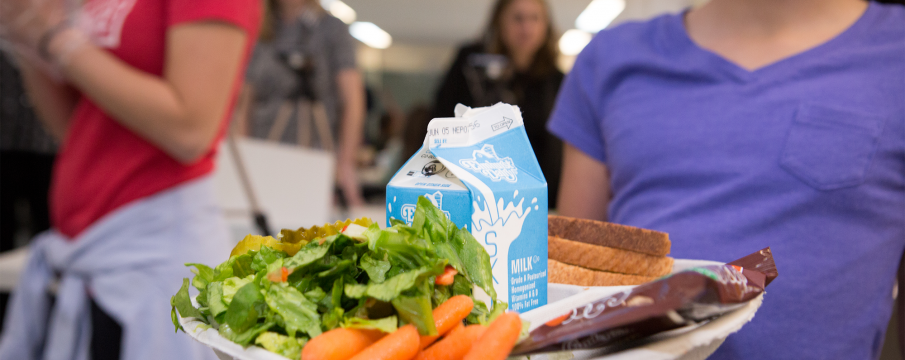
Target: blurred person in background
138,93
515,62
743,124
304,52
26,159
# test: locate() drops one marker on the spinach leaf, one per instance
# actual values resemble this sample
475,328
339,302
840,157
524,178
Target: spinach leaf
245,309
232,285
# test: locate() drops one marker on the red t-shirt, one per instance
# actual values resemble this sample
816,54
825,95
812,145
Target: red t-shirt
102,165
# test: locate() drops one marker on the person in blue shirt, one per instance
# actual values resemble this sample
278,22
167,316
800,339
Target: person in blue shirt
743,124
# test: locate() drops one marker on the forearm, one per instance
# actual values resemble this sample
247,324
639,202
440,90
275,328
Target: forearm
176,112
584,190
141,102
52,101
352,129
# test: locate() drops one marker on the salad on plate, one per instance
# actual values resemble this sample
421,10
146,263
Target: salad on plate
279,293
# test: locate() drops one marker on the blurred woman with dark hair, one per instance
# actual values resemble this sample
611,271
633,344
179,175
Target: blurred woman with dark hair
515,62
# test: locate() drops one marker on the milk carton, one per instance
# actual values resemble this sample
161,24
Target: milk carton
480,170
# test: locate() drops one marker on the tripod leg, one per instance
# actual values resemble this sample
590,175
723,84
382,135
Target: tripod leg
279,125
323,126
304,120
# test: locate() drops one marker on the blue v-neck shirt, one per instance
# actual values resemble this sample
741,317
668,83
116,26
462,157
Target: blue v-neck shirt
806,155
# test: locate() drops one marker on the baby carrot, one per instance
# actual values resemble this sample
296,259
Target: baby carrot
339,344
447,315
455,345
400,345
499,339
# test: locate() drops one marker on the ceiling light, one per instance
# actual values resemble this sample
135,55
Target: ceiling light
573,41
342,11
599,14
370,34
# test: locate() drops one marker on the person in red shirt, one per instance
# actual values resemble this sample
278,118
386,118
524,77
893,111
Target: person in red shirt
139,93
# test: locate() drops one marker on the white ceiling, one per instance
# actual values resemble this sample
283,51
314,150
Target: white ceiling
449,22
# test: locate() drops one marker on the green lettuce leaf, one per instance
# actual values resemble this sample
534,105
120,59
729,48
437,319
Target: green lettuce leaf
464,252
245,337
246,307
242,264
310,253
387,324
299,313
393,286
283,345
182,302
432,224
232,285
203,275
475,260
414,307
333,318
215,301
264,257
224,270
376,268
405,251
481,315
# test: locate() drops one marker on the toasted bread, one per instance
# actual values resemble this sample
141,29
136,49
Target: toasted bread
606,258
609,234
561,273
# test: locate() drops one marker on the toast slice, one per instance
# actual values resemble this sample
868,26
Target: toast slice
609,234
607,258
561,273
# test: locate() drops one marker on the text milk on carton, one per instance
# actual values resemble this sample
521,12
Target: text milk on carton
480,170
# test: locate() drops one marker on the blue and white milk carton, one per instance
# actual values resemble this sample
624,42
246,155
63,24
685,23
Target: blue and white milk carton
480,170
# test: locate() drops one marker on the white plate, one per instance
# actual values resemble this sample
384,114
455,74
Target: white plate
684,344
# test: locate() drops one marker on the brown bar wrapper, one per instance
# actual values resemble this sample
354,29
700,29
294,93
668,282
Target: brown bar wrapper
678,300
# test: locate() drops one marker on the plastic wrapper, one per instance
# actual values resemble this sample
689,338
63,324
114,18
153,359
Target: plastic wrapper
616,322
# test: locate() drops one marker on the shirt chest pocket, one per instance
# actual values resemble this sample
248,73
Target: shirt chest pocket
831,148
